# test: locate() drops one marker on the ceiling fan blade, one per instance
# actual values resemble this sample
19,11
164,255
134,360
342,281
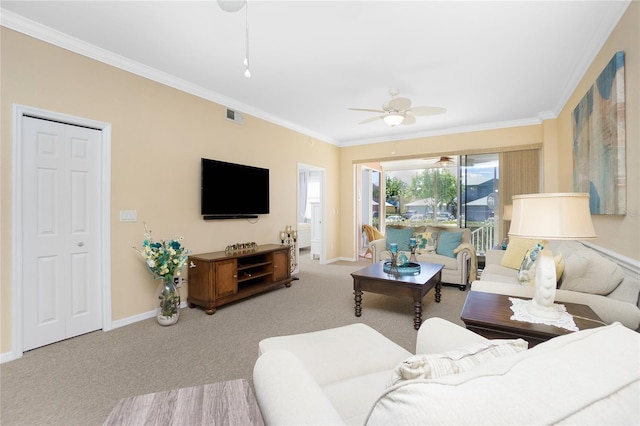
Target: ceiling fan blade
409,119
367,110
426,110
372,119
400,103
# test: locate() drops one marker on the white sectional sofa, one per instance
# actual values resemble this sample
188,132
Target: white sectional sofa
344,376
590,278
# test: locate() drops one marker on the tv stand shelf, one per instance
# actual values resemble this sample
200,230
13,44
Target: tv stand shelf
219,278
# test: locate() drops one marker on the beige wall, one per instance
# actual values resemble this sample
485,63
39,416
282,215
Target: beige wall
159,135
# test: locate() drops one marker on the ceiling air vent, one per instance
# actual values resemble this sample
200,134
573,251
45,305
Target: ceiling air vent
234,116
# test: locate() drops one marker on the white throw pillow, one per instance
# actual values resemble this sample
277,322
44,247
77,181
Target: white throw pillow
431,366
588,272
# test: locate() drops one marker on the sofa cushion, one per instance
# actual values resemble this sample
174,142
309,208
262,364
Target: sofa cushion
516,249
399,236
340,353
447,243
450,263
588,272
558,381
354,397
431,366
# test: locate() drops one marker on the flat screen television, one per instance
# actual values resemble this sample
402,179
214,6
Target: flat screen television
233,191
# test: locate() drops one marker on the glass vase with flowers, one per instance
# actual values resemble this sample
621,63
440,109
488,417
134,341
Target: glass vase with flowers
165,260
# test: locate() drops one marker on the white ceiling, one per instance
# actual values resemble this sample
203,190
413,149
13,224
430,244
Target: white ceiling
491,64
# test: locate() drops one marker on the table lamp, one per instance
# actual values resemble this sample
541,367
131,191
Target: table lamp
553,216
508,212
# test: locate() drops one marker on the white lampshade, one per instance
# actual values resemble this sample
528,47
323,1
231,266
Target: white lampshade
554,216
393,119
507,214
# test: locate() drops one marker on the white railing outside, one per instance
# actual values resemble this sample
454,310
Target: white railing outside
482,238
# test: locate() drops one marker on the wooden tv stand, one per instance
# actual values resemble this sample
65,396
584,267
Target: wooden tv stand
219,278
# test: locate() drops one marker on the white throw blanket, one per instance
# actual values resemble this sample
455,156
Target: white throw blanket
473,271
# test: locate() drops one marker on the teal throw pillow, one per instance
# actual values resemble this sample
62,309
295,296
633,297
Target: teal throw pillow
400,236
447,243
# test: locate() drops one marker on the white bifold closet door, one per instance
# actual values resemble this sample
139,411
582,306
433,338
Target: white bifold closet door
61,290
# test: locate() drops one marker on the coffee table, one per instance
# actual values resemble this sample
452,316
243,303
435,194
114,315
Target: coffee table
375,280
490,314
223,403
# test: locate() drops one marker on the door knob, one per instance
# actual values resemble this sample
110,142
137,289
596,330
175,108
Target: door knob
80,244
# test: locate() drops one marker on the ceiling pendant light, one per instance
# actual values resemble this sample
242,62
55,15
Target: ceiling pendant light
234,6
247,73
393,119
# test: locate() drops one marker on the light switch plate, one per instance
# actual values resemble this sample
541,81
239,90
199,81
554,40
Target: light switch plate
128,215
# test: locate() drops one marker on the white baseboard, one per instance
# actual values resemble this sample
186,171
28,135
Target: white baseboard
10,356
140,317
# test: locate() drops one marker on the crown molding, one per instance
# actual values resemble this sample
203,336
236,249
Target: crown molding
608,23
443,132
41,32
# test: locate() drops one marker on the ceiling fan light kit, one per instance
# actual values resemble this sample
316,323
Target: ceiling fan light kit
398,111
393,119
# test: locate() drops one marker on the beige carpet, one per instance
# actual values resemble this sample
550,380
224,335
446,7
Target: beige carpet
78,381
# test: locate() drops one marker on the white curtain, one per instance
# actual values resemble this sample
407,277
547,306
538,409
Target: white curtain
303,183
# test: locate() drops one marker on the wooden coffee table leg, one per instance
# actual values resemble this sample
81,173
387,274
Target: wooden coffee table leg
417,318
358,299
438,287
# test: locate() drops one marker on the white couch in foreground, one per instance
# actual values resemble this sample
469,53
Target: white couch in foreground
343,376
590,278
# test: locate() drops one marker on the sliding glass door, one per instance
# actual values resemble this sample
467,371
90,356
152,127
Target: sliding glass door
479,198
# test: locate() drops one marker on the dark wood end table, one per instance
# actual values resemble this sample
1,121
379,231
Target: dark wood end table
490,314
375,280
223,403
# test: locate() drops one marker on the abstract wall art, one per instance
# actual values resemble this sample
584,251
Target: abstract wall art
599,160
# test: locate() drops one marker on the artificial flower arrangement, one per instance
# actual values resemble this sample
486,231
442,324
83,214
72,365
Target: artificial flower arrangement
165,260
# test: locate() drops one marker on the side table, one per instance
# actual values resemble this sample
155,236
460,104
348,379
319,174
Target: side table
223,403
489,315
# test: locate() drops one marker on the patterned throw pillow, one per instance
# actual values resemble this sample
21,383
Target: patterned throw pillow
527,271
432,366
426,242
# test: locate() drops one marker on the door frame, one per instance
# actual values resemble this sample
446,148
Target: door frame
19,111
323,197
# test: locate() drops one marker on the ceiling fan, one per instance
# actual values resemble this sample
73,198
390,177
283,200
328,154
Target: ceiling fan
445,161
398,110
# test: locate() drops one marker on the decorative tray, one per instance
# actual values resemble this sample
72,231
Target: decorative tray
409,268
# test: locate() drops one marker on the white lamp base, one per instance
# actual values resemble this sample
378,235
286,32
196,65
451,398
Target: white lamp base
548,312
545,290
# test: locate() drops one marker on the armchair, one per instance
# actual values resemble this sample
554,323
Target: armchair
459,269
